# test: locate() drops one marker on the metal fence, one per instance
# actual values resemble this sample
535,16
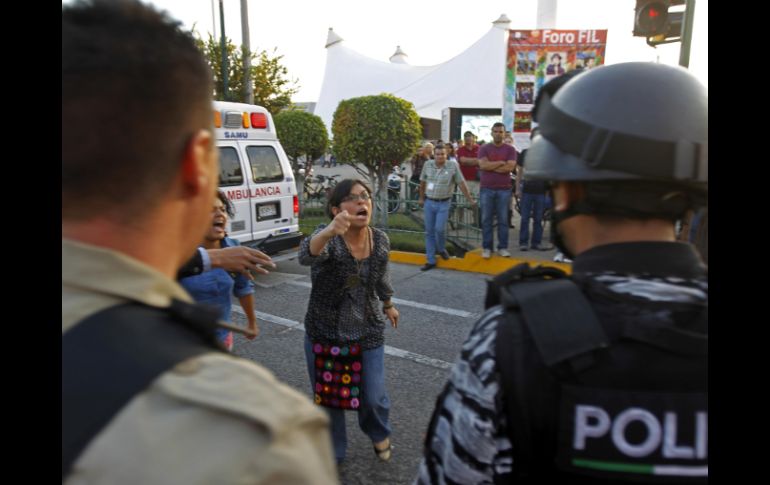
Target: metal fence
463,225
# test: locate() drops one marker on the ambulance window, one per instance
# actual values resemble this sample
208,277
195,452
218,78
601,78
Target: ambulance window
265,165
230,172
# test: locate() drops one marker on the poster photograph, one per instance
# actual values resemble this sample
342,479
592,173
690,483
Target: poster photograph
533,58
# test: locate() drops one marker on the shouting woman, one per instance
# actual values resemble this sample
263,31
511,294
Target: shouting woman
345,321
215,287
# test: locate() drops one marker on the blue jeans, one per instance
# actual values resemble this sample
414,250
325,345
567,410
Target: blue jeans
494,202
375,403
531,203
694,222
436,215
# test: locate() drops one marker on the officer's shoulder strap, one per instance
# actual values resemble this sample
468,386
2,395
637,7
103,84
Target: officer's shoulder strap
111,356
558,316
520,272
549,301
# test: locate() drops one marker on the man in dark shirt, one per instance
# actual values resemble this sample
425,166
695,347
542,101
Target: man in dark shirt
468,157
496,160
531,195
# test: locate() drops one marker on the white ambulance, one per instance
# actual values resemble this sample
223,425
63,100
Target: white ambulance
256,176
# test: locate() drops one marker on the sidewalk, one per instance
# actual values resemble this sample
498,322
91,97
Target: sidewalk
513,241
473,262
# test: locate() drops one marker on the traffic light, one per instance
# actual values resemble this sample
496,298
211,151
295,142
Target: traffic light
654,21
651,17
673,31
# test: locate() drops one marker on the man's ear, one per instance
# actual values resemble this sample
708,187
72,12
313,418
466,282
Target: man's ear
567,193
196,163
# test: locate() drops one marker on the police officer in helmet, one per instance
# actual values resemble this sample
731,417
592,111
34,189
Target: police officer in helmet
600,376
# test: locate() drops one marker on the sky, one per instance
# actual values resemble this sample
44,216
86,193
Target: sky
429,31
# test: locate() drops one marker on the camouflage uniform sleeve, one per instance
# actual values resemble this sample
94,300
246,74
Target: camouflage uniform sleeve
468,442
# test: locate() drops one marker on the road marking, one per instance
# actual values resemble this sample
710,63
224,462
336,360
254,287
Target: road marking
424,306
392,351
420,359
275,279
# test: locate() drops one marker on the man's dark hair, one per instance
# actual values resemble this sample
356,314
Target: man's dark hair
135,88
498,124
556,55
467,133
342,190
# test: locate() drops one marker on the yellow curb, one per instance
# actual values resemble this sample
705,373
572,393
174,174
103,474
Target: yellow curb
474,263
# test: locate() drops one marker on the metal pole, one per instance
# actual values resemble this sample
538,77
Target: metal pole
689,16
224,51
248,91
213,19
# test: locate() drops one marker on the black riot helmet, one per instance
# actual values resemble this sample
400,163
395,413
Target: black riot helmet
636,135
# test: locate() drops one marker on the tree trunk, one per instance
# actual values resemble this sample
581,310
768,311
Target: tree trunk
382,194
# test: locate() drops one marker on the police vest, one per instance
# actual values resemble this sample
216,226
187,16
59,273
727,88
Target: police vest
623,402
115,354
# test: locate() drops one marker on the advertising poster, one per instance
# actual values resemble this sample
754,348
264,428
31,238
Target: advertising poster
533,58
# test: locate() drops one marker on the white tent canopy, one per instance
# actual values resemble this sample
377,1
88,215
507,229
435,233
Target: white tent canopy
472,79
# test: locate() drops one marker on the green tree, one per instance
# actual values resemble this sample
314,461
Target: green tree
301,134
272,87
373,133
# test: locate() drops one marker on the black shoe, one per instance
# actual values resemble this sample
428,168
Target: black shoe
542,248
444,254
427,266
523,247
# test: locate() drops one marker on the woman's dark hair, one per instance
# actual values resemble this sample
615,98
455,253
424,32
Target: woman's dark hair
342,190
229,207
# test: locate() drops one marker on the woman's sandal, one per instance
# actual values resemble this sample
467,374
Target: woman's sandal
383,454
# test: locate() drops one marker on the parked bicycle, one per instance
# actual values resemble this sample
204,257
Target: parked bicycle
320,186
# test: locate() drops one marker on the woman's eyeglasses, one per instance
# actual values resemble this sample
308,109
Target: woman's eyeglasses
356,197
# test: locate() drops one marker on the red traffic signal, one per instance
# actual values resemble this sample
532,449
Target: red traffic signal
651,18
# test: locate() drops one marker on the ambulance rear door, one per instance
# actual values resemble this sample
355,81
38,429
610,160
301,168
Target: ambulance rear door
272,189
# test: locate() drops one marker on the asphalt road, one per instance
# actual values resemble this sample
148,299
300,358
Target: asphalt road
438,308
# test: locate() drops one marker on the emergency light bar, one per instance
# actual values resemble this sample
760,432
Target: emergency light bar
240,119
